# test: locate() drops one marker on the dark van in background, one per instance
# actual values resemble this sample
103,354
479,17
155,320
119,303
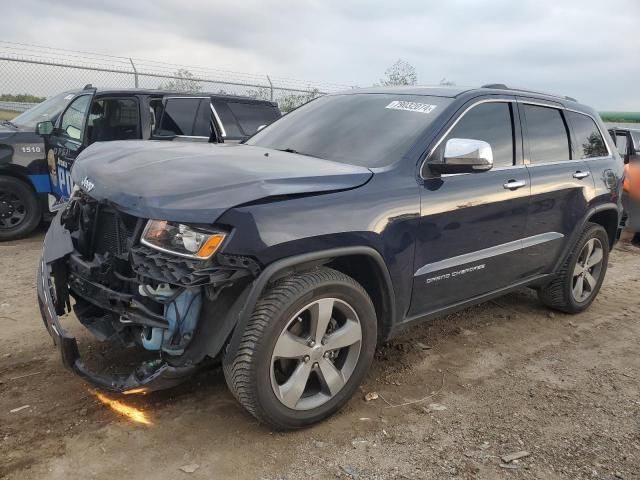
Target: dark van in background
36,156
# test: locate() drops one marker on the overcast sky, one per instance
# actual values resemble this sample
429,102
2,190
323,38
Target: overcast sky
589,49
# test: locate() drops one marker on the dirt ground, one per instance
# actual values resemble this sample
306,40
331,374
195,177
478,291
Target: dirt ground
500,378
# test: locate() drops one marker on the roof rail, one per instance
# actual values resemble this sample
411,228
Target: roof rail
502,86
499,86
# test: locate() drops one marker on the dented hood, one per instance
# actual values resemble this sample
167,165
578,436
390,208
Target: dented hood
198,182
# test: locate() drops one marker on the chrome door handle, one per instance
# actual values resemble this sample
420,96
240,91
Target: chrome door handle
581,175
514,184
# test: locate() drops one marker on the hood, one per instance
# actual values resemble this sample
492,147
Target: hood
7,131
197,182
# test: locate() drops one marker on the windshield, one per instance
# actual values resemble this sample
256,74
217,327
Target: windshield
47,110
367,129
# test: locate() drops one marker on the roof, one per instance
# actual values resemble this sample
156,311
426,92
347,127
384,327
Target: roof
455,91
626,129
150,91
438,91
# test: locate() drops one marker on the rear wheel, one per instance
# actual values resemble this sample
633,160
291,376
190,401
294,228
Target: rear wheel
305,350
19,209
582,274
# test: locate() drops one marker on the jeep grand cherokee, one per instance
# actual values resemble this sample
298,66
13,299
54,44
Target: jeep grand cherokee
334,228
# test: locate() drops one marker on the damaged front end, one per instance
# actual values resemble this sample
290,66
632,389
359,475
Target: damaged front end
133,294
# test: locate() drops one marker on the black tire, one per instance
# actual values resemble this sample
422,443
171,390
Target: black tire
248,373
558,293
20,207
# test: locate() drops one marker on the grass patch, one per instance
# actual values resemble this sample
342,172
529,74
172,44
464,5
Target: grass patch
7,115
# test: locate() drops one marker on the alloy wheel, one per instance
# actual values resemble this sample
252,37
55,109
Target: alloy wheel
12,210
587,271
316,354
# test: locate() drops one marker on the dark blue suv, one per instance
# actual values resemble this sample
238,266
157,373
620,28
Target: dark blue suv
292,255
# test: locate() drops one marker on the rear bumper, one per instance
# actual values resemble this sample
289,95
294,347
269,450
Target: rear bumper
155,375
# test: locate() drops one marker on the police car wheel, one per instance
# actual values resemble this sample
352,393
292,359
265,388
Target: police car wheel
19,209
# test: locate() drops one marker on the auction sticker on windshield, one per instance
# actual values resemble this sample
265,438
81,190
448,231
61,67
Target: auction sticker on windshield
411,106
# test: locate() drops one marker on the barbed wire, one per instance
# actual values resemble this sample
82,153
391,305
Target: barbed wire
43,71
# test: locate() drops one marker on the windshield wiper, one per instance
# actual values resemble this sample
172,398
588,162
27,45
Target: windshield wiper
293,150
10,123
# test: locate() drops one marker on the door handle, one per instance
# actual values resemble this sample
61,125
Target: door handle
514,184
581,175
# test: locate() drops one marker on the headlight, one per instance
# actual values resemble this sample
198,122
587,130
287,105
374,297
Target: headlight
181,239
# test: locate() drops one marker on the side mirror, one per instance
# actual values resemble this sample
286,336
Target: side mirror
160,134
44,128
464,155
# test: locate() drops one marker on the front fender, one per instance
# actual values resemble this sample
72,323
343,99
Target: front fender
296,263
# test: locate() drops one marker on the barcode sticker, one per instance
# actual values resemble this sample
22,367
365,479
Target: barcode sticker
411,106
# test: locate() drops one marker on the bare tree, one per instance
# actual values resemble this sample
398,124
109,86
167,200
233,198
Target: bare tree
261,93
400,73
291,101
447,83
184,82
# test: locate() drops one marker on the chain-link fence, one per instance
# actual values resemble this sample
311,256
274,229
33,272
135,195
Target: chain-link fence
35,71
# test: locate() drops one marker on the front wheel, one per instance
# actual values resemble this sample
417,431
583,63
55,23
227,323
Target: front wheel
580,278
305,350
19,209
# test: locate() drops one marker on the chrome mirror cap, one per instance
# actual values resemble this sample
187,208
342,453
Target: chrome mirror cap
466,152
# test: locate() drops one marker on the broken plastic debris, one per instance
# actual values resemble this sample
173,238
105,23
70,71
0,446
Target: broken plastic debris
192,467
16,410
514,456
371,396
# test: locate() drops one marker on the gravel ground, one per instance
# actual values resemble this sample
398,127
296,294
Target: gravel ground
454,398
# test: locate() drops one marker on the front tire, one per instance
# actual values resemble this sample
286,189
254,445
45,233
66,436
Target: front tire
577,284
19,209
305,350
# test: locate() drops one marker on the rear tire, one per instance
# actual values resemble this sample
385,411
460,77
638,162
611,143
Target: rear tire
579,280
20,211
287,344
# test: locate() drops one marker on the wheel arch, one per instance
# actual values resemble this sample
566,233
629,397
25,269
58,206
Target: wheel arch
606,215
609,219
374,278
19,173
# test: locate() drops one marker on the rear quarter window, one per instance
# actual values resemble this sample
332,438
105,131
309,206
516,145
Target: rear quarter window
589,141
251,116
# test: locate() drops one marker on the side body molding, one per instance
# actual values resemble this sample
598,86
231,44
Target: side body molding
488,253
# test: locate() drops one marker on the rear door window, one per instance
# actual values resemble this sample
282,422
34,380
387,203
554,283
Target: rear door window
202,127
547,133
179,116
589,141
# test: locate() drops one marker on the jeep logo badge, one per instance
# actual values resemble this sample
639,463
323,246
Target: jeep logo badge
86,184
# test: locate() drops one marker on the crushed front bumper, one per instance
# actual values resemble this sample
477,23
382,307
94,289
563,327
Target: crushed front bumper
156,375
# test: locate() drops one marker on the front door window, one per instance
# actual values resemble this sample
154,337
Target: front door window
72,121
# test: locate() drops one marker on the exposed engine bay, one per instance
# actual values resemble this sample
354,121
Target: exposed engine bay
134,295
